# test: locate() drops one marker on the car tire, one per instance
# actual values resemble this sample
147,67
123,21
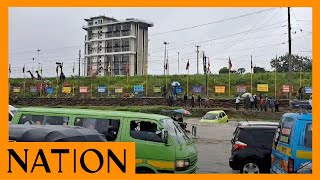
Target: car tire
250,167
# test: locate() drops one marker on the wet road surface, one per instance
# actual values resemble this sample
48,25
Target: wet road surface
214,146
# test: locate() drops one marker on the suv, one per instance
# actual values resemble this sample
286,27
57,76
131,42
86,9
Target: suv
251,148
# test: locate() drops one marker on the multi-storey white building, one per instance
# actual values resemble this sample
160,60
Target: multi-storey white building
122,45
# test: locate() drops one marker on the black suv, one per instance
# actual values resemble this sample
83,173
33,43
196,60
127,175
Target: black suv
251,148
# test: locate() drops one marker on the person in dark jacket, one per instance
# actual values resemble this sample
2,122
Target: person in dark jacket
199,100
185,100
276,105
192,100
247,102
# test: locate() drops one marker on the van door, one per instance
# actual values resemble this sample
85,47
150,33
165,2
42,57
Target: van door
151,151
303,150
281,149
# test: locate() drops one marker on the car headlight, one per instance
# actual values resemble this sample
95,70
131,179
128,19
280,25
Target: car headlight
182,164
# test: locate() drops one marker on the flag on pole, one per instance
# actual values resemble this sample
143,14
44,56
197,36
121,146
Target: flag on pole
41,70
23,69
251,64
9,68
166,67
209,66
230,64
188,64
73,69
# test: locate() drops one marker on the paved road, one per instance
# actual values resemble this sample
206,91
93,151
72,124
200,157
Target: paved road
213,144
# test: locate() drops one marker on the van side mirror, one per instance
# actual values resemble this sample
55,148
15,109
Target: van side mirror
165,136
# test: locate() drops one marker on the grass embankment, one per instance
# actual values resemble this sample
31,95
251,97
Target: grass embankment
194,80
233,114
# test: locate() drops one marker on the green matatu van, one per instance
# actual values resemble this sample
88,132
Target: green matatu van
161,145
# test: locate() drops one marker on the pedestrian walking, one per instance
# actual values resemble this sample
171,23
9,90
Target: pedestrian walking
255,102
247,102
271,102
174,97
192,100
199,100
237,102
276,105
185,100
251,103
266,103
262,102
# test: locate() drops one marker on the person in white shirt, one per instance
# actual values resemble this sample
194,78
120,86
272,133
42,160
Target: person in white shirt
237,102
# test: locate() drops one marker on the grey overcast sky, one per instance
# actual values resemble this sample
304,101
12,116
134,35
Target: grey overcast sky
58,33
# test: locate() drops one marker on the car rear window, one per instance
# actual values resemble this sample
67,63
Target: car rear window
308,136
241,135
263,137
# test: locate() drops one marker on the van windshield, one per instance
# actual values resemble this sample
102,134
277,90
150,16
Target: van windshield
308,136
176,132
283,132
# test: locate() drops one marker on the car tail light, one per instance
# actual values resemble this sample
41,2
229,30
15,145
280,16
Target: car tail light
290,165
272,159
239,145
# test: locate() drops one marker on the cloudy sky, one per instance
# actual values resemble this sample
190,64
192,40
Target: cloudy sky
220,33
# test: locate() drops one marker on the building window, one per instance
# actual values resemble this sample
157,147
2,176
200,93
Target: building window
116,43
125,49
116,34
126,27
125,33
109,29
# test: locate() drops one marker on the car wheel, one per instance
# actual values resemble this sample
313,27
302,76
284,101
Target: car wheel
250,167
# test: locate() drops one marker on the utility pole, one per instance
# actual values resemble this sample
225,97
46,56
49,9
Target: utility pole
165,56
79,69
178,64
289,56
38,59
197,59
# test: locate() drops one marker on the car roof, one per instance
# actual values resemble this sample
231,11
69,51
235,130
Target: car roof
258,127
43,133
215,112
74,111
299,116
257,123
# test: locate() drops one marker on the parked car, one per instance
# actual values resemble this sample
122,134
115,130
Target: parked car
251,148
12,111
215,117
161,145
39,133
292,144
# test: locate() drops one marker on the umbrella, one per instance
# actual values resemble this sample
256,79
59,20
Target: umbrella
182,111
244,95
175,83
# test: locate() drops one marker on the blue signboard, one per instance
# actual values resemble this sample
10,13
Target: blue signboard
178,89
101,89
50,90
197,89
308,90
138,88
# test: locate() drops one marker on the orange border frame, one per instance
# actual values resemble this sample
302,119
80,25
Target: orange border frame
5,4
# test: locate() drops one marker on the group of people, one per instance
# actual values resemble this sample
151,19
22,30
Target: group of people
263,103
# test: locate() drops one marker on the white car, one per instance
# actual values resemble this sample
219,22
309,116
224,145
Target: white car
12,111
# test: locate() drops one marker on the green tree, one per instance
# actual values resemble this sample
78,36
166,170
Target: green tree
241,70
257,69
225,70
298,62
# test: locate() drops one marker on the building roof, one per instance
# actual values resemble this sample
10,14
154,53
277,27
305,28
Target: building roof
149,24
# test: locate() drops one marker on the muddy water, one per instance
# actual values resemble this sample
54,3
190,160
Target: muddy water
213,144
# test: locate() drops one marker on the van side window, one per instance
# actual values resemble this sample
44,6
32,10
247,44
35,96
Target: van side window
308,136
108,127
43,120
285,130
10,117
31,119
144,130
